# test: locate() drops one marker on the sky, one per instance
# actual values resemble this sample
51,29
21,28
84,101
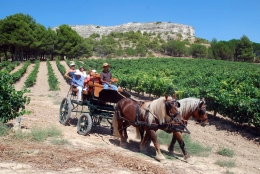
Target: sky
220,19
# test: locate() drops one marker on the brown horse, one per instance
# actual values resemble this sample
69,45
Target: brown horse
188,107
146,115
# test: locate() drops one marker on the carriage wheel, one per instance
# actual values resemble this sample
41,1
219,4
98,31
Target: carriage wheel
65,110
84,124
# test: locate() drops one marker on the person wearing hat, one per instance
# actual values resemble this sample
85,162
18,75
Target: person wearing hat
70,73
106,78
83,72
78,82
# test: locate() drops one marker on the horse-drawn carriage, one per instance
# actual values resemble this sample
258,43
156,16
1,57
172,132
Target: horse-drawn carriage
149,116
98,103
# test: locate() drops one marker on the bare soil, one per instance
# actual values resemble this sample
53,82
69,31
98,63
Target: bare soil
99,152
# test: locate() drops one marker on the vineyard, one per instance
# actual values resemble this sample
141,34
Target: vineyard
230,88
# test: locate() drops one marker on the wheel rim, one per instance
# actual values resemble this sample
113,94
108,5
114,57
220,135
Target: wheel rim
83,124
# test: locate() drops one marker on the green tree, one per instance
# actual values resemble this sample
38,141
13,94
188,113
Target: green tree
17,33
68,41
245,49
198,50
176,48
222,51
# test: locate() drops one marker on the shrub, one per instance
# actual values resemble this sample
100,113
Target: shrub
12,102
225,163
226,152
3,129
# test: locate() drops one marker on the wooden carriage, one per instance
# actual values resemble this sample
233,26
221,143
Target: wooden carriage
100,104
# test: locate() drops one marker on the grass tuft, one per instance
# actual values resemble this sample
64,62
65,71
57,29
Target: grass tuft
229,172
193,148
59,141
39,134
225,163
4,129
226,152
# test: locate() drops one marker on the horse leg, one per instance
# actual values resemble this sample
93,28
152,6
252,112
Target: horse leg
187,157
143,142
159,156
121,129
125,131
141,130
171,146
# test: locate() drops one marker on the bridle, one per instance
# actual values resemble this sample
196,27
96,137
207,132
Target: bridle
168,105
201,113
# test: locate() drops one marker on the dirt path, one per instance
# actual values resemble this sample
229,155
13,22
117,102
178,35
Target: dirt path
41,86
64,64
20,84
99,152
64,87
16,68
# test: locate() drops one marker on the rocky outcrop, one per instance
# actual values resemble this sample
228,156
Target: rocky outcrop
156,27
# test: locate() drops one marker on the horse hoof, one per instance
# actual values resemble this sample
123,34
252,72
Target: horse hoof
171,152
123,146
160,158
190,161
143,150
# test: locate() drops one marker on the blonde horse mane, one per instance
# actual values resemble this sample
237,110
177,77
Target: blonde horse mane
187,105
158,108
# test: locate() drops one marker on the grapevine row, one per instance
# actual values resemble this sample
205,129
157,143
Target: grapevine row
18,74
60,67
31,79
4,64
52,79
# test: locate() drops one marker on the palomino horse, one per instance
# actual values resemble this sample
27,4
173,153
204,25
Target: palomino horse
188,107
144,114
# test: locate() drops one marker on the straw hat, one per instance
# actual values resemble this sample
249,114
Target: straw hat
77,72
105,64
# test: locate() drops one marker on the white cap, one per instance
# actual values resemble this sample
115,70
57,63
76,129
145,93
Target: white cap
78,72
94,71
72,64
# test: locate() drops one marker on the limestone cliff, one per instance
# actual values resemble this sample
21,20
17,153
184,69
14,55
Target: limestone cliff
157,27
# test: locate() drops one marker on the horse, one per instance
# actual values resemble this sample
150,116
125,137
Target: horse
147,114
188,107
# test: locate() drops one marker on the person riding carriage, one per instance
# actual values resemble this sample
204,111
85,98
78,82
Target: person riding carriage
106,78
70,73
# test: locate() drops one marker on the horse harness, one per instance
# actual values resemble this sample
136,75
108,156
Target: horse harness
152,126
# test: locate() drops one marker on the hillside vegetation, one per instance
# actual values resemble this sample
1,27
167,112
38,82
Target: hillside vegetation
22,39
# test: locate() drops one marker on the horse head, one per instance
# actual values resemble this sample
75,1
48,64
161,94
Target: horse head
172,106
200,113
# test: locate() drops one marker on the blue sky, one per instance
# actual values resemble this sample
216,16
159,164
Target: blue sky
220,19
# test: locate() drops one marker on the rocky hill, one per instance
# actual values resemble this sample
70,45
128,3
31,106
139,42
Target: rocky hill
151,27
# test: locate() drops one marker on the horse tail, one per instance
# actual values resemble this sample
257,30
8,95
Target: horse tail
137,133
115,123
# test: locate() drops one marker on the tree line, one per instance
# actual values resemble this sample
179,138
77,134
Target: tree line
21,38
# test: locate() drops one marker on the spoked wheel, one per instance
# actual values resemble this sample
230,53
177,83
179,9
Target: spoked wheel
84,124
65,110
